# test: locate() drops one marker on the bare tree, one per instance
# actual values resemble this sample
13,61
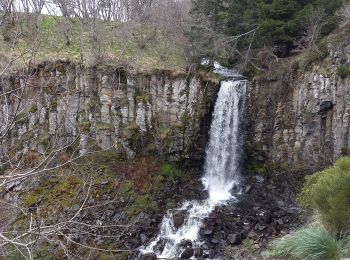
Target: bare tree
312,31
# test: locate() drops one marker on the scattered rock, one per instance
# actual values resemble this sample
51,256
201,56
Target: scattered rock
185,243
143,238
178,219
259,179
279,222
198,252
215,241
260,227
248,188
208,232
188,253
294,210
271,187
149,256
233,239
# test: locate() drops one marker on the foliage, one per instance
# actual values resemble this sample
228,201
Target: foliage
170,172
277,23
310,243
118,43
343,71
141,203
328,193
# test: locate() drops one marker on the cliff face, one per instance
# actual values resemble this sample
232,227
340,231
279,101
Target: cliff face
61,103
301,118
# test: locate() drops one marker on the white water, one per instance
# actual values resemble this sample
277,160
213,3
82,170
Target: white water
221,171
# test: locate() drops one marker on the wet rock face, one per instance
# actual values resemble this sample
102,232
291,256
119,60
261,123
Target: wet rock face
110,107
302,119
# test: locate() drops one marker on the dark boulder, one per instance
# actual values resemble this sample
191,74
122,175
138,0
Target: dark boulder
149,256
178,219
198,252
188,253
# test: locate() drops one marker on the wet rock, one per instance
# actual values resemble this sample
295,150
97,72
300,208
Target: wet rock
260,227
198,252
211,253
185,243
248,188
234,239
188,253
259,179
149,256
215,241
178,219
294,210
279,222
143,238
271,187
207,232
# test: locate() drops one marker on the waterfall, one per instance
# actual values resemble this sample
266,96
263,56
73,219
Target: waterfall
221,171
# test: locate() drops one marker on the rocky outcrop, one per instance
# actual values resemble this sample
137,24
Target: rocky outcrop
106,107
299,117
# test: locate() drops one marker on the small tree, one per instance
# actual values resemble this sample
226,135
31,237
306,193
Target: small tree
327,192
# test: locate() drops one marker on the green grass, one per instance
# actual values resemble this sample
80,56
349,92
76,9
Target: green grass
310,243
142,46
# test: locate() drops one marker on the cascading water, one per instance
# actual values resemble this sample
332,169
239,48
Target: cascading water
221,170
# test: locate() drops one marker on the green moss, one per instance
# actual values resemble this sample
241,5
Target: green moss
27,136
170,172
48,89
141,99
141,203
95,102
104,126
343,71
54,194
85,126
151,148
186,119
124,102
248,245
44,139
164,132
126,188
132,134
53,105
209,76
21,118
33,108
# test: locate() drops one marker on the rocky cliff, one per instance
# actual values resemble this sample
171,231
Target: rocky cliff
60,103
300,115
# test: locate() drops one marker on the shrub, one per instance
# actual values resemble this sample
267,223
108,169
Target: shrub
170,172
310,242
343,71
328,193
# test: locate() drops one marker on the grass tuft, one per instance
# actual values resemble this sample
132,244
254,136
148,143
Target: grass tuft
309,243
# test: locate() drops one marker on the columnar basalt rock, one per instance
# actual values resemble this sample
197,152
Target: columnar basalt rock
109,107
302,119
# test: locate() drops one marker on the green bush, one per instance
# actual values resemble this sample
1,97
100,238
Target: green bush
328,193
310,243
343,71
170,172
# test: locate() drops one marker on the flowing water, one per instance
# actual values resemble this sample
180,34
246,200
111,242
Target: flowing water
221,170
